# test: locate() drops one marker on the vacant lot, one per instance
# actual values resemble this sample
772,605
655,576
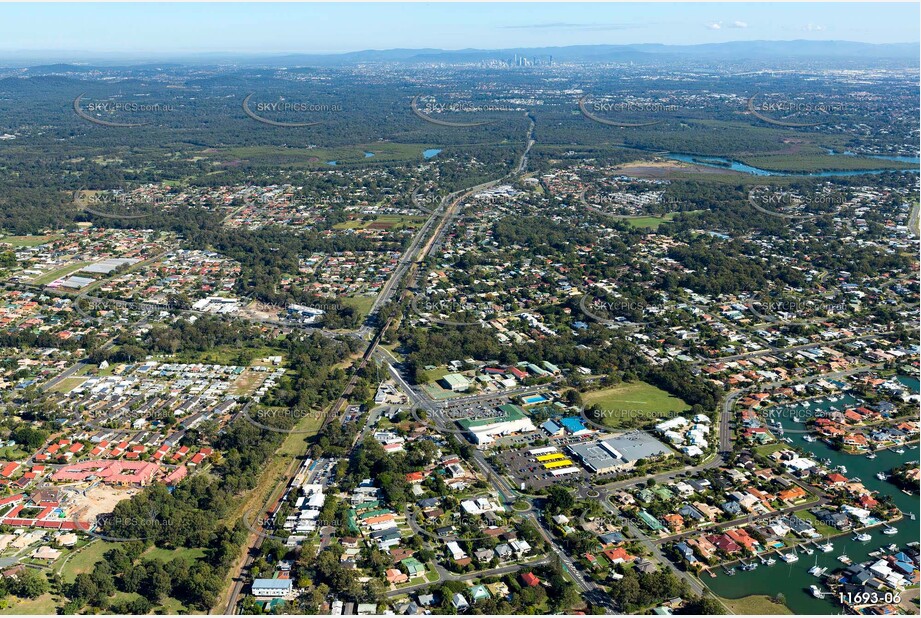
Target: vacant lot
755,604
633,404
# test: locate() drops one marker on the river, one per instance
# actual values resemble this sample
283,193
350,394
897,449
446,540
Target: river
736,166
793,580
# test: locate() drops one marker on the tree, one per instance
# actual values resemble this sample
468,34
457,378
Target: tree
560,500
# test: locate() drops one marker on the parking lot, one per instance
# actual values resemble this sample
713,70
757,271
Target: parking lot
522,467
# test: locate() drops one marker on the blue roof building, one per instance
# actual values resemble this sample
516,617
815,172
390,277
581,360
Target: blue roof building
573,424
552,428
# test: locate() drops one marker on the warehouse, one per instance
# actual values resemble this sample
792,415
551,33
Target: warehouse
455,382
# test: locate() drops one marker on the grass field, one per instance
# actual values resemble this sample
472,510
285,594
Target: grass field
361,303
823,529
223,355
650,222
44,604
654,222
82,560
755,604
171,554
767,449
633,404
397,221
296,443
65,385
28,241
11,453
59,272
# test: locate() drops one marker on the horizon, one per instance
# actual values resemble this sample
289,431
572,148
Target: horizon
144,30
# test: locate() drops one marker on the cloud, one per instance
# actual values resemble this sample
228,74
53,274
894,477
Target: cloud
573,26
813,28
718,25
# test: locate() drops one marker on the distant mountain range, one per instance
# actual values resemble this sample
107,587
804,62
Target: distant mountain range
799,50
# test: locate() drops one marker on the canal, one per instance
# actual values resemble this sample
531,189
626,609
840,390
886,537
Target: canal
793,580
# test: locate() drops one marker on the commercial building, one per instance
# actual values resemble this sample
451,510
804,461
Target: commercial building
618,453
272,587
455,382
511,419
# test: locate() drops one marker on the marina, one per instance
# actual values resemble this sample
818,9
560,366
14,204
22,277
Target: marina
790,578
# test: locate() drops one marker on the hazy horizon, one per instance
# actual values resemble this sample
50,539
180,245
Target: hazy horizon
194,29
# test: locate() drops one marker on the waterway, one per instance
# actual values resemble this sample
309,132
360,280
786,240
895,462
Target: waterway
793,580
736,166
848,153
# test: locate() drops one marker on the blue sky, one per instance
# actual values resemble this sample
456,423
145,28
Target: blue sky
168,29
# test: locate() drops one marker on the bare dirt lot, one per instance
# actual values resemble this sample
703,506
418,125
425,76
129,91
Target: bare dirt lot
97,500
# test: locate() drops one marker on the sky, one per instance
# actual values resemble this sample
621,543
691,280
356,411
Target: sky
177,28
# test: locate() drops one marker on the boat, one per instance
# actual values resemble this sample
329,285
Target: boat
808,438
827,547
889,530
771,561
815,591
844,559
841,469
856,479
790,558
911,516
892,547
900,451
882,476
796,419
871,456
907,493
863,537
808,551
750,566
815,570
730,571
